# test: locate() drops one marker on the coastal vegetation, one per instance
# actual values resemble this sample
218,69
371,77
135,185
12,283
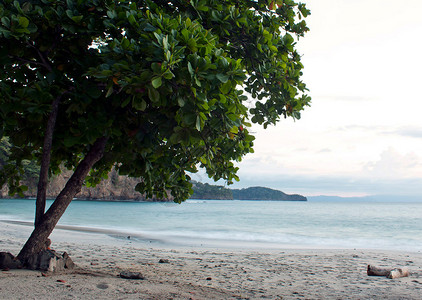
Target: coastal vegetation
262,193
209,191
218,192
151,89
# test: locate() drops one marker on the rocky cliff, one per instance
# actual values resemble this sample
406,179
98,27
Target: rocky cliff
114,188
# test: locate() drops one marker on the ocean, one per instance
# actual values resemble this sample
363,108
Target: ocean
244,224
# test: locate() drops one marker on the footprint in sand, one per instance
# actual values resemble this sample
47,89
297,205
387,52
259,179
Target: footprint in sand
102,286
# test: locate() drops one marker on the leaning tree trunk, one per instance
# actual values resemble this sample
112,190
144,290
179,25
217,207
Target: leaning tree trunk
37,240
45,162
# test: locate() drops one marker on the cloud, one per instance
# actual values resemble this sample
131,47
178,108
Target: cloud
404,131
392,173
408,131
333,185
303,149
325,150
346,98
392,164
358,127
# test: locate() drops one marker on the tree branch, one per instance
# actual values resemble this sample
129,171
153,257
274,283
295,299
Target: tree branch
43,59
27,61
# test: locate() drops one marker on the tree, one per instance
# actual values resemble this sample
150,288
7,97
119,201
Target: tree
29,169
155,89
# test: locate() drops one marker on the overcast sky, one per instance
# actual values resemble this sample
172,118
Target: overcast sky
363,133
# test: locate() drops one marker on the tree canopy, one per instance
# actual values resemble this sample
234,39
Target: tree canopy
155,89
164,82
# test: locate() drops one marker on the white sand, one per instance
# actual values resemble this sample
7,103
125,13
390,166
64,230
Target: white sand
198,273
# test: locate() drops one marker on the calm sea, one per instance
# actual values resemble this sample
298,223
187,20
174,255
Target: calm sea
262,224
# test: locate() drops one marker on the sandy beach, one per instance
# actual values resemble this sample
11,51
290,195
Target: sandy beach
205,273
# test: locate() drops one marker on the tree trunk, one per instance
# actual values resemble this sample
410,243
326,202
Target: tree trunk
43,229
45,162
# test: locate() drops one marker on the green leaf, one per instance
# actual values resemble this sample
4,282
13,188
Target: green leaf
198,123
190,69
5,21
226,87
203,8
168,75
165,42
125,43
149,28
111,14
27,7
273,48
132,20
24,22
153,94
156,82
77,19
222,77
288,39
203,160
203,116
139,105
69,13
249,138
189,118
185,34
109,91
234,129
192,45
181,101
126,102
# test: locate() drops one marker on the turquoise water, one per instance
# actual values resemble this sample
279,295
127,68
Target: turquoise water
388,226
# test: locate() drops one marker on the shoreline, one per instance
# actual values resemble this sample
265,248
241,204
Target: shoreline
205,273
167,242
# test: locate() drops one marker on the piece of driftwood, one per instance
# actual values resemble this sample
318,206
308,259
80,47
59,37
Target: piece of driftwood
399,272
389,273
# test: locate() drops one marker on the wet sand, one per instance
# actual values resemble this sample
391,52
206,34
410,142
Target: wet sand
204,273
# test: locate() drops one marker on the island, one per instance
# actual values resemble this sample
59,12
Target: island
217,192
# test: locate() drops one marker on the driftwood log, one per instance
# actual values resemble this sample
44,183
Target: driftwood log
389,273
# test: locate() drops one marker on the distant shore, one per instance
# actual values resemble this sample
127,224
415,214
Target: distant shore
152,200
205,273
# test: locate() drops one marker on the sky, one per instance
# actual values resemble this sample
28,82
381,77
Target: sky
362,134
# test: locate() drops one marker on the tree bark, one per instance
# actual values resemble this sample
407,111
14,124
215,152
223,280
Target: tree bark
45,162
43,229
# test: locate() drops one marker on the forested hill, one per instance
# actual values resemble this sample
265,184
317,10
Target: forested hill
218,192
262,193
